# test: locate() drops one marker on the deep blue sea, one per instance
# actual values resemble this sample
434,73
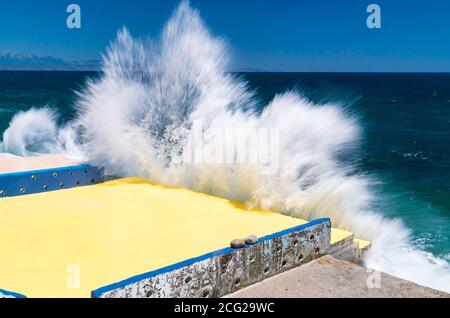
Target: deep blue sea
405,120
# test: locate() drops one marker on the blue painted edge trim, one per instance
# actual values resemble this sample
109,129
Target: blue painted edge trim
98,292
8,293
58,169
21,183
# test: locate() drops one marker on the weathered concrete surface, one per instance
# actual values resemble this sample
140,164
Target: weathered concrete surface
329,277
222,274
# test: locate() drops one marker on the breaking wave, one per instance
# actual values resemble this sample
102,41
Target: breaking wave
36,132
154,100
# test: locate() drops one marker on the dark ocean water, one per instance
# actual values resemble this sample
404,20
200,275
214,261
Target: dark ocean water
405,120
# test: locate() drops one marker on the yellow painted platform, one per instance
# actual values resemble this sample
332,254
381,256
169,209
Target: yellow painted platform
111,231
338,235
363,244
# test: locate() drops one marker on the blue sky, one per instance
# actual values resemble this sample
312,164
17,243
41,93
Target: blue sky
286,35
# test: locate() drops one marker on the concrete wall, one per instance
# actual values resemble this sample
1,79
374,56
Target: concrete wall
349,250
226,271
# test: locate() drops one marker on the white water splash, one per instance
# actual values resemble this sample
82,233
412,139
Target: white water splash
35,132
30,132
140,114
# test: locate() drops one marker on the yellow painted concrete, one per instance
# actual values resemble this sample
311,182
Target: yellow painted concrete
362,244
338,235
111,231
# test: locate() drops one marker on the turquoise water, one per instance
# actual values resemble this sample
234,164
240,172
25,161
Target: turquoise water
406,141
405,120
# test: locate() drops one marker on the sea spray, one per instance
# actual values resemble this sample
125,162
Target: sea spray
35,132
139,117
31,132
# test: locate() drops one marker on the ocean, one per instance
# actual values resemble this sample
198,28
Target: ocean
405,120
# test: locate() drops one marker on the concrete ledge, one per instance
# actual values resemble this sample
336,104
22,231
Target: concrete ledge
329,277
225,271
345,246
11,163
